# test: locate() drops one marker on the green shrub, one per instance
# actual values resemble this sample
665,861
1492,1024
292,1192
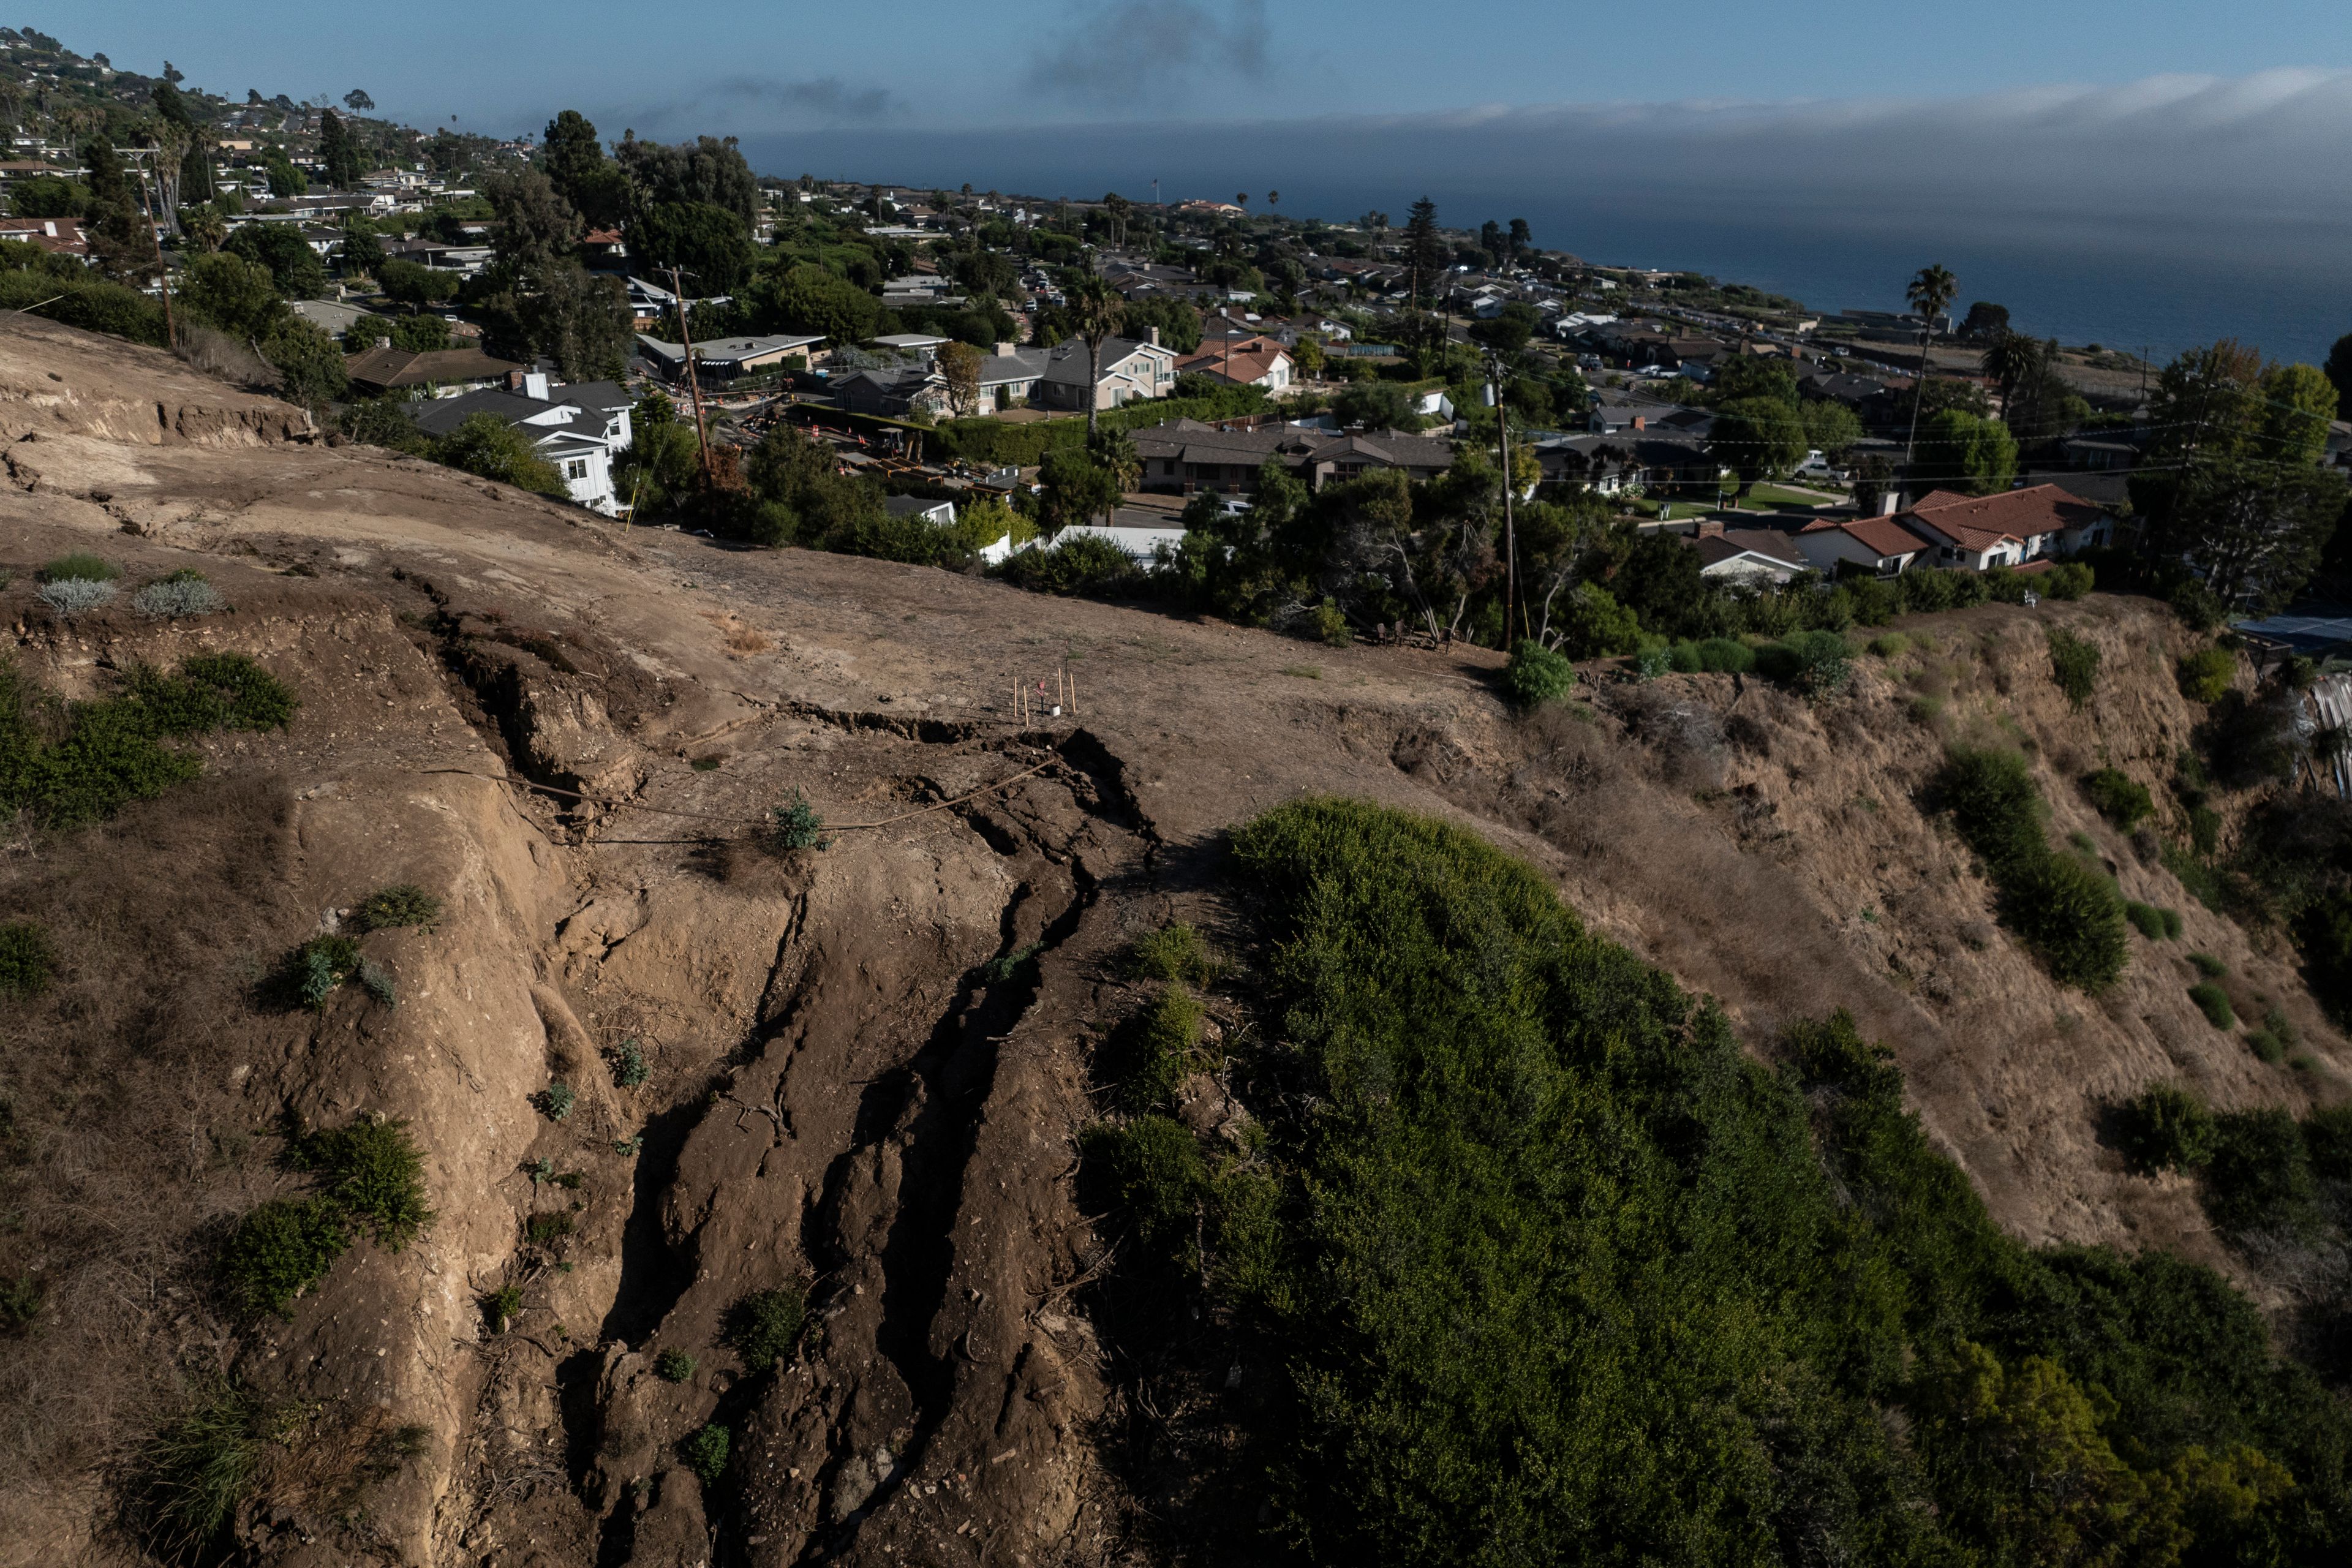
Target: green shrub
2204,829
2070,915
764,1326
1682,658
674,1366
705,1453
2205,674
372,1172
2205,964
188,1479
279,1250
546,1229
2266,1045
2171,924
629,1069
1154,1049
501,1307
1173,953
2214,1003
1817,663
1726,656
795,825
2259,1175
26,960
1890,645
213,691
402,904
2120,798
555,1101
80,567
2147,919
2069,580
181,594
1154,1169
1007,967
314,971
2073,664
1537,674
1331,626
1651,661
2167,1128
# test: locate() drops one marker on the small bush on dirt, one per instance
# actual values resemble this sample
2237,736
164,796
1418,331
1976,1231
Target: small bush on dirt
377,982
2205,674
213,691
795,825
2214,1003
279,1250
1156,1048
2171,924
314,971
402,904
180,595
2259,1175
2120,798
374,1172
674,1366
547,1229
555,1101
1173,953
2205,964
188,1479
501,1307
1154,1169
2070,580
1006,967
2069,914
1537,675
2073,664
765,1325
705,1453
629,1069
2147,919
75,595
1817,663
2266,1045
26,960
80,567
1726,656
2166,1128
1890,645
1330,624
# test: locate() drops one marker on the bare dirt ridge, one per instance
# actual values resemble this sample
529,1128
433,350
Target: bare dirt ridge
868,1065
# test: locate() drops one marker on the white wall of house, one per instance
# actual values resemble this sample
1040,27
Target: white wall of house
1824,550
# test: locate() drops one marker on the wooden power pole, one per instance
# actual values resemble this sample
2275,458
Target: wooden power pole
693,381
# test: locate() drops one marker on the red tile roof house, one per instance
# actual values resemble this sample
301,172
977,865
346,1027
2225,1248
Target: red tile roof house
2004,529
1241,361
1880,546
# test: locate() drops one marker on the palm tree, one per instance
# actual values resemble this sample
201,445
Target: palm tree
1096,309
1931,294
2012,361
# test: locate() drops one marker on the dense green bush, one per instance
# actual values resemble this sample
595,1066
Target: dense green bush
187,1482
2259,1175
2167,1128
2069,915
705,1453
1537,674
2205,674
1173,953
1154,1049
1085,564
369,1178
80,567
674,1366
2119,797
26,960
1553,1271
2214,1003
765,1325
2205,964
2068,580
1817,663
278,1251
402,904
2147,919
2073,664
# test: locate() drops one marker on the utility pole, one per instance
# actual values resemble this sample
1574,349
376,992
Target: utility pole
162,273
693,381
1510,532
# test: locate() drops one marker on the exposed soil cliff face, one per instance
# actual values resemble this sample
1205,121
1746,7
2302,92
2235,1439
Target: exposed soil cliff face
866,1066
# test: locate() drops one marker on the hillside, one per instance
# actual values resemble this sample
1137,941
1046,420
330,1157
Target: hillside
852,1079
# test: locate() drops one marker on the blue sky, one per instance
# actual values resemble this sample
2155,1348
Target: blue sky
754,66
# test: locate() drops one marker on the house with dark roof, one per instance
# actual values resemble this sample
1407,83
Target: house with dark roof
1880,546
1126,370
1189,456
577,428
387,369
2005,530
724,360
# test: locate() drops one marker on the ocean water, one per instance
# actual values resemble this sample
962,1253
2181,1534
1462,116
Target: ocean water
2142,268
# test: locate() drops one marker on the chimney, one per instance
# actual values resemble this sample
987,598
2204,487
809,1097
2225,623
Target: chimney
1155,337
1889,502
534,384
1709,530
1639,423
1003,350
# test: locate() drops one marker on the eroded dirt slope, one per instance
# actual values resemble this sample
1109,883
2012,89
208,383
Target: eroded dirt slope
866,1066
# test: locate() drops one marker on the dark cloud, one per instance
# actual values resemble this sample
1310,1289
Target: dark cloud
825,100
1147,53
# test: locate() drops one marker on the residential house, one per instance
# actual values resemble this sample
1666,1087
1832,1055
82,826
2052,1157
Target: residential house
577,428
61,235
1126,369
1747,557
1243,362
1878,546
1628,462
387,369
1190,456
725,359
2005,530
922,345
890,391
941,512
464,259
